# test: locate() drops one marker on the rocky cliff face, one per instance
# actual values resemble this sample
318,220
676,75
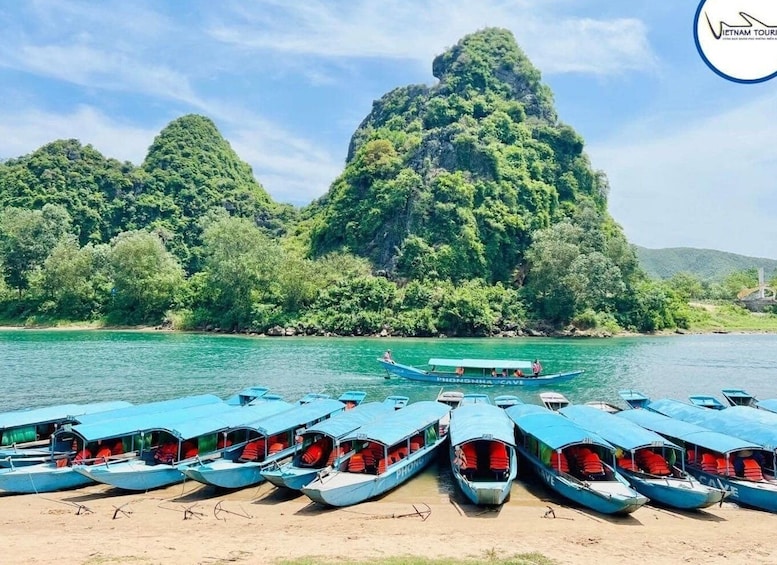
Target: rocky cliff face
450,181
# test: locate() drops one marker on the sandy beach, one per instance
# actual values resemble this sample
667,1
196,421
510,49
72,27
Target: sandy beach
191,524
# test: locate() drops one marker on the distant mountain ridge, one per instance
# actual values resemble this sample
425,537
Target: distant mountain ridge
707,264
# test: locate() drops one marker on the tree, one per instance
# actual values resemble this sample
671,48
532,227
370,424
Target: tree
146,278
26,239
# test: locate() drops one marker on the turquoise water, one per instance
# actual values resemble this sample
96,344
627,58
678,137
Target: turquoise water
47,367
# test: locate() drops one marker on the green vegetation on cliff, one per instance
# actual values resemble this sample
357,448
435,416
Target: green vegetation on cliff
464,208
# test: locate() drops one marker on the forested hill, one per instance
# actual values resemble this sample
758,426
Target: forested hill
706,264
190,170
453,180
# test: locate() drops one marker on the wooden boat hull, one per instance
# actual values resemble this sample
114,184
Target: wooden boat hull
133,475
606,497
414,374
224,473
759,495
339,488
686,494
45,477
291,477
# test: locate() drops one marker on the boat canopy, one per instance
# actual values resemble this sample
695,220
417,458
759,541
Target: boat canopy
475,398
480,421
481,363
706,401
251,416
47,414
624,434
247,395
749,424
164,419
152,408
299,415
769,404
401,424
552,429
685,431
349,420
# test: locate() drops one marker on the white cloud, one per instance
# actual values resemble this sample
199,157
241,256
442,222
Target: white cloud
707,184
395,29
24,131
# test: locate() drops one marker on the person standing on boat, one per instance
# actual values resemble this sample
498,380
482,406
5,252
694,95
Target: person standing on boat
387,357
536,368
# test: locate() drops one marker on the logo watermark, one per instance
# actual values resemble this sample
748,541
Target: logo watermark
737,39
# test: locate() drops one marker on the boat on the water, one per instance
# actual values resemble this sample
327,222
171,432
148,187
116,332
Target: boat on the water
554,400
482,452
717,459
322,444
706,401
739,397
651,463
495,372
269,440
475,398
506,400
604,406
453,399
180,440
574,462
103,440
385,454
634,398
25,434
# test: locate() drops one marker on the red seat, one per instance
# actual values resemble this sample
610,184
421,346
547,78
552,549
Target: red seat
253,451
725,467
709,463
753,470
118,448
103,454
558,461
276,447
591,464
312,454
500,462
356,463
628,464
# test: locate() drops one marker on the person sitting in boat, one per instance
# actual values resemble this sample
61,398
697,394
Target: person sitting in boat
387,356
504,373
536,368
459,459
460,371
493,372
517,373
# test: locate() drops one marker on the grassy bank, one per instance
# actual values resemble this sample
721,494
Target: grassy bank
712,317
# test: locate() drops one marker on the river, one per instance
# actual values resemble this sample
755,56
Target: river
41,367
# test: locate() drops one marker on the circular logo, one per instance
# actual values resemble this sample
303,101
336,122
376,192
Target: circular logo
738,38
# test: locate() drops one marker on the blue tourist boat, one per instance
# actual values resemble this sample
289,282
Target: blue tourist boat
385,454
711,455
322,444
500,372
25,434
576,463
651,463
482,452
506,400
739,397
634,398
179,438
706,401
272,439
106,439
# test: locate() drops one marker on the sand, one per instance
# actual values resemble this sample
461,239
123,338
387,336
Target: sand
194,524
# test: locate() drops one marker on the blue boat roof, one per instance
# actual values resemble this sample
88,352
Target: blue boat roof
769,404
552,429
247,395
19,418
748,424
158,420
621,433
298,415
685,431
480,421
402,423
356,396
251,416
151,408
706,401
475,398
347,421
481,363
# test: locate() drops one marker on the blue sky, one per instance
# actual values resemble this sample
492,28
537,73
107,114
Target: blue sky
690,156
